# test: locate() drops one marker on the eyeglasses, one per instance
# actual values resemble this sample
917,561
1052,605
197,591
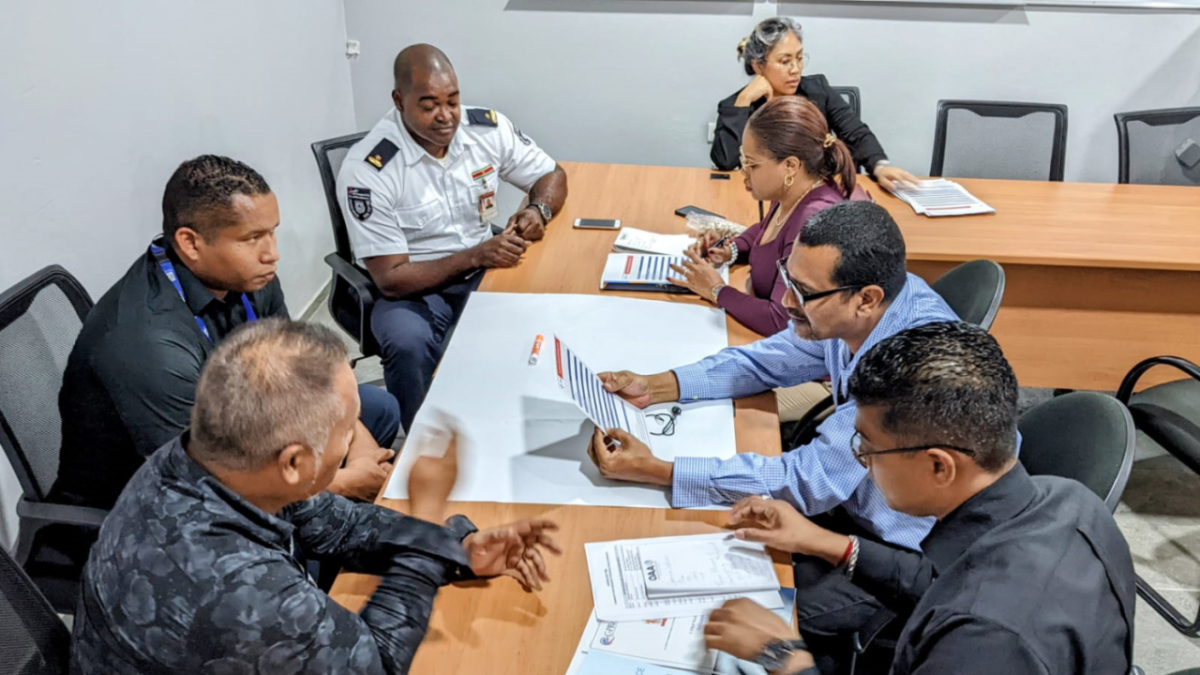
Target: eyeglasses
793,286
746,165
856,445
787,62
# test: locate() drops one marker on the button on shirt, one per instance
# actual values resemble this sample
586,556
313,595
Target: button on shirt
1031,575
189,578
823,474
424,207
131,378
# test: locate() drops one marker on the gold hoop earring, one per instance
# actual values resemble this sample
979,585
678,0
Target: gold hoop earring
789,181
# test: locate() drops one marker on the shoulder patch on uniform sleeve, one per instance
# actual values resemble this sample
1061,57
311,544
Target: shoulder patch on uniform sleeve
483,117
360,202
381,154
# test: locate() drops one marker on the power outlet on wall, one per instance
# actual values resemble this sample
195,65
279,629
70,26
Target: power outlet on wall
712,131
352,49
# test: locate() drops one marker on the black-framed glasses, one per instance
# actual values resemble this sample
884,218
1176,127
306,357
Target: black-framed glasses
856,443
793,286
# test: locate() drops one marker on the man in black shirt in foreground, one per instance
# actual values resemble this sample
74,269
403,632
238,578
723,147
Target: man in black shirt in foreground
1019,575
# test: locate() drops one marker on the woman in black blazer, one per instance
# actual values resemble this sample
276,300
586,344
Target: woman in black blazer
774,55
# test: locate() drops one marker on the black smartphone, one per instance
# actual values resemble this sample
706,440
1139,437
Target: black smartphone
718,176
687,210
597,224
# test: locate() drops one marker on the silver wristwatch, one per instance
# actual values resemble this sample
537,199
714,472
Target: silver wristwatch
777,654
547,214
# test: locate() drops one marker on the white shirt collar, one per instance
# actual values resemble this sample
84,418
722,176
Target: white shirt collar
413,152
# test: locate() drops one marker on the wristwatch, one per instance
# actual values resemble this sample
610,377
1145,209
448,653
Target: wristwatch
547,214
777,654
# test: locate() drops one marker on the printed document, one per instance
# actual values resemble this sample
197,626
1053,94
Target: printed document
619,573
940,197
604,409
633,240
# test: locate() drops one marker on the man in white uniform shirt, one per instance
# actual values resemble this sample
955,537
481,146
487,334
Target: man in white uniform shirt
419,197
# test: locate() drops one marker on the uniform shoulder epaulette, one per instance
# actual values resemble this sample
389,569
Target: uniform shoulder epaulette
483,117
381,154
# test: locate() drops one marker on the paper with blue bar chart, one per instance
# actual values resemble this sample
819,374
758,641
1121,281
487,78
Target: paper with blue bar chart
604,409
641,272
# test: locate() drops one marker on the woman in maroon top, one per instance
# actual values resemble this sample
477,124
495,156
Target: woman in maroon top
789,158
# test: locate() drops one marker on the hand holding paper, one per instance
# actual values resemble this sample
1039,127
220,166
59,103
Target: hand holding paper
620,456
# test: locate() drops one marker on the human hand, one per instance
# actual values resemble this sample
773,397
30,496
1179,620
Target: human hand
779,525
697,276
758,88
893,177
432,477
513,550
706,248
629,386
742,627
527,224
502,250
363,476
620,456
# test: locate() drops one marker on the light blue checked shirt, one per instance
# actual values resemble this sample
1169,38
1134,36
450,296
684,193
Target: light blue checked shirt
823,474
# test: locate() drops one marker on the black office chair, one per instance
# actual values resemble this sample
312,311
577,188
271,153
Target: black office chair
973,290
1169,416
1086,436
40,318
33,640
1159,147
852,96
352,293
995,139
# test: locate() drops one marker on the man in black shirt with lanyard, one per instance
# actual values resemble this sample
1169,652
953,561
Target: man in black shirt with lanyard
131,379
1019,575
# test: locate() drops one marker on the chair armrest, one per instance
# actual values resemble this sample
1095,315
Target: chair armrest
1125,392
61,513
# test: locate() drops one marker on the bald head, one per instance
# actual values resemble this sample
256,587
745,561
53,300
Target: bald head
426,94
419,62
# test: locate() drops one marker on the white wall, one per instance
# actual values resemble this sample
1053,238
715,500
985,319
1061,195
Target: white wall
100,101
637,81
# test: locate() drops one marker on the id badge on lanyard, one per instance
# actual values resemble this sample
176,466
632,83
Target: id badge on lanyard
164,263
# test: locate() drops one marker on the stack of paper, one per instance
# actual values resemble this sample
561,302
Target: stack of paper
639,272
940,197
633,240
661,646
688,575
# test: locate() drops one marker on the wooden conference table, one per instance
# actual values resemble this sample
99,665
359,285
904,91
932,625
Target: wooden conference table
1098,277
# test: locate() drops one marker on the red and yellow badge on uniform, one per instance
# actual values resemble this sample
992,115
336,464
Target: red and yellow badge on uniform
482,174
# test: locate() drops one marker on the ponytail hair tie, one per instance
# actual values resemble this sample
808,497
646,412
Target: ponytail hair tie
829,141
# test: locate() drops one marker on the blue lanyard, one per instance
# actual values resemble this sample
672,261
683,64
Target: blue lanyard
168,269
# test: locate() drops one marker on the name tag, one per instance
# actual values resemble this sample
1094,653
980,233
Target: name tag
487,206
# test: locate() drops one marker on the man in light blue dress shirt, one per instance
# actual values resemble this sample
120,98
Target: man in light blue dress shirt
848,288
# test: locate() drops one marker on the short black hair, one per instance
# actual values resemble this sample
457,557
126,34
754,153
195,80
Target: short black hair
869,241
200,193
945,382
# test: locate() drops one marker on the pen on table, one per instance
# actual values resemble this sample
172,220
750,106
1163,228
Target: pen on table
536,351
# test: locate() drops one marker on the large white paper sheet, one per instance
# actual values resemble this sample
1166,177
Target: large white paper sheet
618,574
523,439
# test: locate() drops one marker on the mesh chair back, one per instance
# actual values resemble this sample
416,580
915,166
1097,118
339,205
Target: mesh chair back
33,640
1086,436
852,97
39,321
330,155
1147,144
974,291
991,139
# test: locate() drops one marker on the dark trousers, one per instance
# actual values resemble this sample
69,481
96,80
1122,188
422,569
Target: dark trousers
412,335
833,614
380,414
